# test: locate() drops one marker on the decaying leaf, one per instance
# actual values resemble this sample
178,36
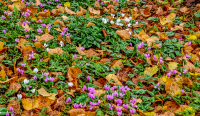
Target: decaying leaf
43,92
99,92
172,65
123,34
56,50
93,11
2,74
15,105
151,70
14,86
72,75
29,104
77,112
44,37
113,77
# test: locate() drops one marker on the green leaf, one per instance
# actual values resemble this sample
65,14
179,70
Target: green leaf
197,14
170,33
129,83
16,11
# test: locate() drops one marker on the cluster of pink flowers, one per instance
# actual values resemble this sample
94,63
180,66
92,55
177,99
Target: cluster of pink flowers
173,72
146,55
31,55
187,56
79,105
28,3
27,13
161,60
63,33
12,110
20,71
140,45
41,5
48,79
94,104
45,74
157,86
91,92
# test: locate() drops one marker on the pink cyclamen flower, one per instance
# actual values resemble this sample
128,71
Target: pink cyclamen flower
7,113
23,65
110,97
51,78
121,95
82,48
49,2
21,71
43,25
119,113
68,100
17,40
62,33
184,71
180,38
189,43
67,34
45,10
26,30
168,74
65,29
118,109
45,80
149,48
161,61
101,3
115,94
39,30
84,88
92,96
87,63
146,55
12,115
113,88
3,17
59,4
131,44
125,106
110,106
91,90
56,0
88,78
187,56
4,31
76,106
5,12
133,100
11,109
179,73
132,111
27,36
81,65
182,90
31,56
118,101
74,56
106,87
35,78
41,5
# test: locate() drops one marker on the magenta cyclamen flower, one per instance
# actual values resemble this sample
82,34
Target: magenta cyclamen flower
45,80
131,44
110,106
113,88
26,30
184,71
121,95
23,65
87,63
125,106
62,33
3,17
17,40
82,48
27,36
132,111
68,100
49,2
84,88
39,30
115,94
106,87
43,25
118,101
149,48
12,115
88,78
140,45
187,56
182,90
189,43
31,56
74,56
11,109
168,74
7,113
4,31
67,34
179,73
92,96
118,109
91,90
110,97
147,55
133,100
35,78
119,113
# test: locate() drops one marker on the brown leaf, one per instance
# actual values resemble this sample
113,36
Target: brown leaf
37,2
2,57
89,113
189,66
67,10
81,12
79,50
2,74
55,12
18,4
115,78
68,39
41,15
117,63
15,105
76,112
21,43
91,52
37,44
57,21
159,11
29,104
14,86
43,92
93,11
9,80
90,24
143,35
105,32
151,40
72,75
99,92
44,101
123,34
56,50
44,37
59,105
171,105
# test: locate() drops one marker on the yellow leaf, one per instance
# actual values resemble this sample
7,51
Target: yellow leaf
43,92
172,65
164,78
178,93
193,37
1,45
163,20
148,113
170,17
2,74
114,77
29,104
191,109
151,70
53,96
67,4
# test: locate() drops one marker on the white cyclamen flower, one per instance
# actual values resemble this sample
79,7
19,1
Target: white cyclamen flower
118,20
19,96
129,24
26,81
126,19
61,43
70,84
35,70
45,45
112,22
122,14
105,20
47,49
33,90
113,15
130,32
136,23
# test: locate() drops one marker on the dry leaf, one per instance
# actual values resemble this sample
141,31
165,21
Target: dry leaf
151,70
43,92
15,105
67,10
170,17
93,11
189,66
143,35
29,104
123,34
2,57
114,77
2,74
53,96
76,112
56,50
20,5
172,65
91,52
72,75
57,21
90,24
117,63
14,86
44,101
79,50
44,37
99,92
151,40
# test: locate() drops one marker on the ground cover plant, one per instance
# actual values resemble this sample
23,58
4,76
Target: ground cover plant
99,58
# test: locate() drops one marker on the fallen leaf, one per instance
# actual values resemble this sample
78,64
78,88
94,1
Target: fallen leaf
89,113
72,75
43,92
29,104
172,65
56,50
170,17
90,24
99,92
117,63
14,86
52,97
67,10
151,70
143,35
1,45
76,112
44,37
79,50
114,77
91,52
2,74
189,66
20,5
44,101
123,34
193,37
93,11
15,105
57,21
67,4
